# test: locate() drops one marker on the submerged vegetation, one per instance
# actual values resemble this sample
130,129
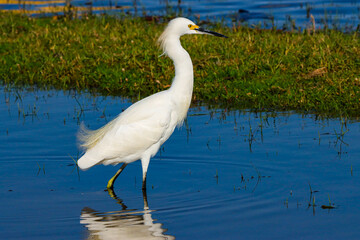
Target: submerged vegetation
257,69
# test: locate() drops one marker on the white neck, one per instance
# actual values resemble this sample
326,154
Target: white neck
183,82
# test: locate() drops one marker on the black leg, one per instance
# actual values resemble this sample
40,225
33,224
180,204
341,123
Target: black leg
144,184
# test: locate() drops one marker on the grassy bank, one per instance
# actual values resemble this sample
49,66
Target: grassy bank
255,69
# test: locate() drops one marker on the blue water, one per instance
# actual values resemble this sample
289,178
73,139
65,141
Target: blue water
223,175
340,14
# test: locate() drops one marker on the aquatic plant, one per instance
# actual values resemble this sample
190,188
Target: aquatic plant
257,69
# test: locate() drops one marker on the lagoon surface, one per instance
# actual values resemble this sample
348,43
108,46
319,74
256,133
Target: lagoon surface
225,174
341,14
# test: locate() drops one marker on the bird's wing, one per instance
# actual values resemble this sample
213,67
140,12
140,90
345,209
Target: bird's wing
140,127
155,104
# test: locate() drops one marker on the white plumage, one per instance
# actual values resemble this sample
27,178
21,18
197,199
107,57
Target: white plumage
139,131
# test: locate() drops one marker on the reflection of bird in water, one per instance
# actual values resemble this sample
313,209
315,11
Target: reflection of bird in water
126,224
139,131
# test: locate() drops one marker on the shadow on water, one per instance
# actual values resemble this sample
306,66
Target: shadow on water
127,223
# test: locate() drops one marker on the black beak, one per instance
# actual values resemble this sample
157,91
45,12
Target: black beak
210,32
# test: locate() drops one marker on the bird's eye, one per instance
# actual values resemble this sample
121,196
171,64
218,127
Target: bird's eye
189,25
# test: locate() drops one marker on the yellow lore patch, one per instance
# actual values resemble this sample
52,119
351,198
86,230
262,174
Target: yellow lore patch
193,27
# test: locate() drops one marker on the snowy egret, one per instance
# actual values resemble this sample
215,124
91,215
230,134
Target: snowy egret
139,131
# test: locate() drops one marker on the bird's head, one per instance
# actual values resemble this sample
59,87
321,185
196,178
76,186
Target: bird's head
181,26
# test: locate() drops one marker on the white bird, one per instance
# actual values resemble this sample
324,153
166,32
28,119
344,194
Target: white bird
139,131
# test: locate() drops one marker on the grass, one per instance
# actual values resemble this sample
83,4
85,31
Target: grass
256,69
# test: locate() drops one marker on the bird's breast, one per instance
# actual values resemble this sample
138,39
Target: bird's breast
182,107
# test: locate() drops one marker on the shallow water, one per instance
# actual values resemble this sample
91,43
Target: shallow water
341,14
223,175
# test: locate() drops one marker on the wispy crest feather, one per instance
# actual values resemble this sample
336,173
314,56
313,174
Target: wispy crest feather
162,40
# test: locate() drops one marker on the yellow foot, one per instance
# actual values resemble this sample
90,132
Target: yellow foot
110,184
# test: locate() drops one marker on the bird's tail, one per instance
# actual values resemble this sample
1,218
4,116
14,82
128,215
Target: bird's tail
89,138
86,162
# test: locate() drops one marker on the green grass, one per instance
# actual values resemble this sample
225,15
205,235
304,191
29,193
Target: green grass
256,69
